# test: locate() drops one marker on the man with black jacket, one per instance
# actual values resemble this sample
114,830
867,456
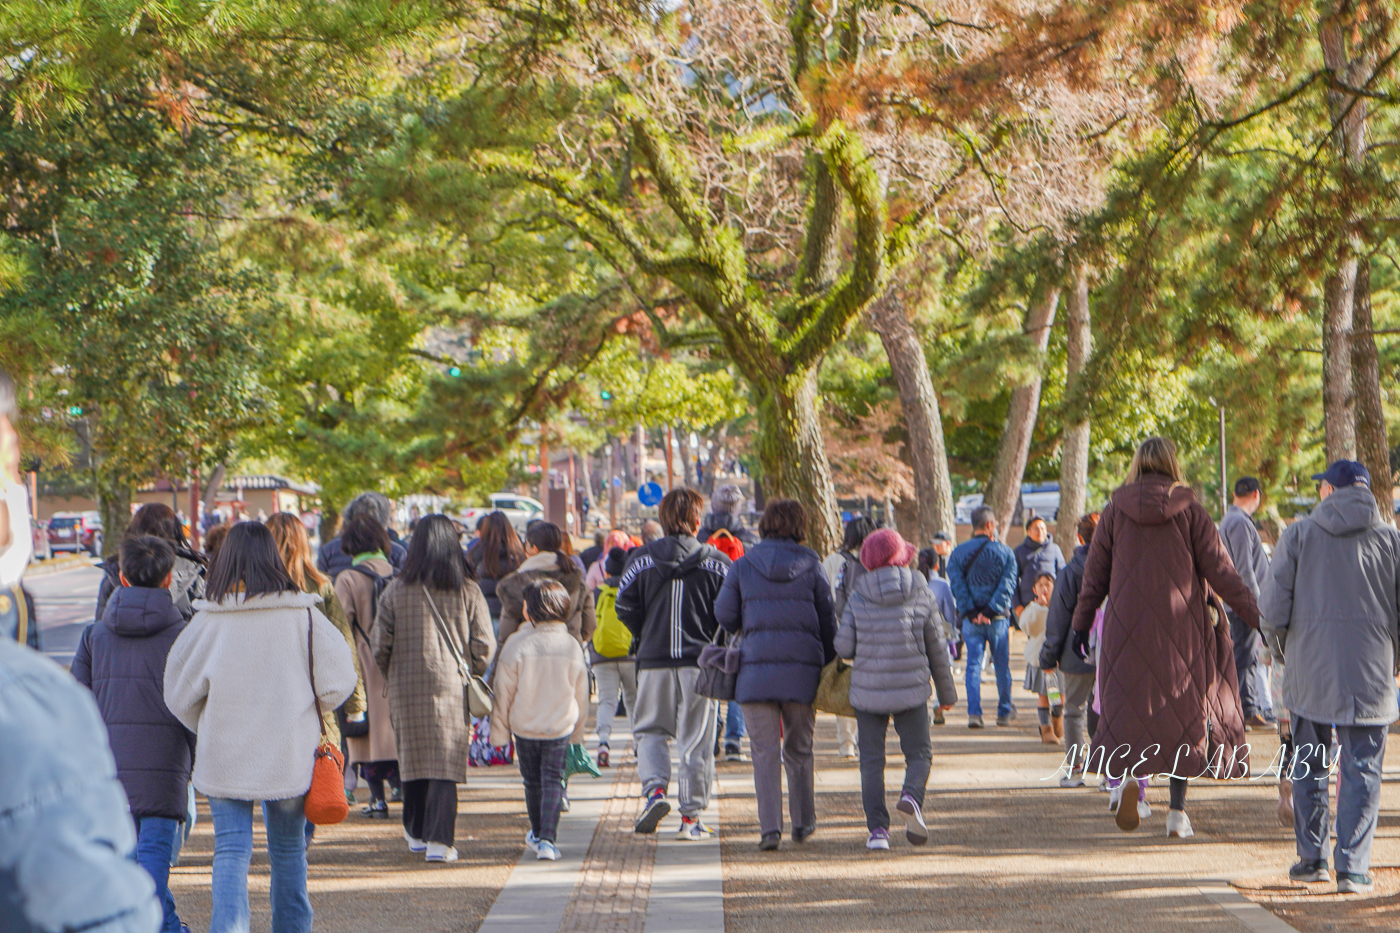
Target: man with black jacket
666,598
1058,652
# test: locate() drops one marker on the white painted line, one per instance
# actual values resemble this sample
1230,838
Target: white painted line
537,893
1253,916
687,880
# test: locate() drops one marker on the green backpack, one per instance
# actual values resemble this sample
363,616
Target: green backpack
611,638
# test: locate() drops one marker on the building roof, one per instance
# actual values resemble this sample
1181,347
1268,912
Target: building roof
251,481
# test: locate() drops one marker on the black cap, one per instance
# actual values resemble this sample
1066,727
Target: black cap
1246,486
942,536
1344,473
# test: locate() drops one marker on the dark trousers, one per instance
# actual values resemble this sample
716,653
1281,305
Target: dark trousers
377,773
780,736
912,728
542,770
1358,792
430,810
1246,643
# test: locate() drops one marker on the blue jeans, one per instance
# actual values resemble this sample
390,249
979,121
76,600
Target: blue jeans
978,639
733,724
233,851
155,839
1358,793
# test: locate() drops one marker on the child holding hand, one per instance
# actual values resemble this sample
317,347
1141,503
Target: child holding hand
1038,681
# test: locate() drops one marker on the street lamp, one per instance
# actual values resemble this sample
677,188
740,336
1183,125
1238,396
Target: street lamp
1223,493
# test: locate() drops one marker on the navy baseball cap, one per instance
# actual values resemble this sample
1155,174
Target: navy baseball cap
1344,473
942,536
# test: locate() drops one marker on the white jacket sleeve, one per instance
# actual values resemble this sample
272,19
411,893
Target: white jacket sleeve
186,674
335,665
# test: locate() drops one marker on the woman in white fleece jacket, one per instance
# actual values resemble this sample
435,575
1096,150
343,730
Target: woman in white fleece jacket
239,676
542,700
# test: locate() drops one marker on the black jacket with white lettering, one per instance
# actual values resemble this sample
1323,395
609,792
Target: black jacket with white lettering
667,600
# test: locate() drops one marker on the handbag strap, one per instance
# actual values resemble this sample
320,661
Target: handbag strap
311,665
442,631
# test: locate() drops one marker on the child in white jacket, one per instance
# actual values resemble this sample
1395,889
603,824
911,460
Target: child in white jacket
542,700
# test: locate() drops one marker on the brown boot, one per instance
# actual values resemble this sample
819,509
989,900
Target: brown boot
1047,735
1285,803
1058,724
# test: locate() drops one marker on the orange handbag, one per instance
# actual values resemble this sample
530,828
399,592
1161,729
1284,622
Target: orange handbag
325,800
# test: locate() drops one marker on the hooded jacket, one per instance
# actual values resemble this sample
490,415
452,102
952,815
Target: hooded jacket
891,631
1058,650
1244,547
1032,560
778,596
1166,667
122,660
331,560
730,523
1332,597
510,591
666,598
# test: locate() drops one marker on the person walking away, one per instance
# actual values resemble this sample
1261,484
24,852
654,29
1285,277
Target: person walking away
893,635
1168,703
731,725
942,547
1037,680
982,574
186,580
947,609
1036,554
1058,654
727,513
332,559
16,538
375,754
121,659
542,701
652,531
497,555
778,600
245,676
615,539
545,557
843,569
595,551
1330,600
429,616
666,598
67,827
1246,550
614,665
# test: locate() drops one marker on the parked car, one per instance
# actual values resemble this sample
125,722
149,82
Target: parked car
76,532
1041,498
521,510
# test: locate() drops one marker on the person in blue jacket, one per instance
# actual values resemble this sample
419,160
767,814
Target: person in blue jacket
982,573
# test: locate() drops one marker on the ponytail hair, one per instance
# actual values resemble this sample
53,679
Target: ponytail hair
546,536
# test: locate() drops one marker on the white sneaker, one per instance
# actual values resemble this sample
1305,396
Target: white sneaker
1072,780
1179,824
1144,811
437,852
532,842
547,852
1115,796
692,830
416,846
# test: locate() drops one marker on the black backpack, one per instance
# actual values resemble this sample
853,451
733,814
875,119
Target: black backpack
380,583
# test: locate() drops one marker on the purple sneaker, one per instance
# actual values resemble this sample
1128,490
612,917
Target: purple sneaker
915,830
879,838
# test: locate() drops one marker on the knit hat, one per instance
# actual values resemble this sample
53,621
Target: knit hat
885,548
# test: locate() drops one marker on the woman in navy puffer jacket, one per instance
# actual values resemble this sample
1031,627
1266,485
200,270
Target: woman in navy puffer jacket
778,597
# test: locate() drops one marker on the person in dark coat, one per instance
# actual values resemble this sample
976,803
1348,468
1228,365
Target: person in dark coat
331,560
727,506
1057,652
777,596
122,660
1037,554
497,555
1168,698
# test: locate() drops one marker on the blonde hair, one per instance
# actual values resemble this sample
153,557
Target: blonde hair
290,535
1155,455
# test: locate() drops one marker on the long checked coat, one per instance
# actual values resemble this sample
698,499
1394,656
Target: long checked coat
425,688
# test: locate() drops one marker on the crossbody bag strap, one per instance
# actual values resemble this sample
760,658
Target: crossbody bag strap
442,631
311,665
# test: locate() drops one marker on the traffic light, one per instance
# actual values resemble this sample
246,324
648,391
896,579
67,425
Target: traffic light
605,395
75,410
455,371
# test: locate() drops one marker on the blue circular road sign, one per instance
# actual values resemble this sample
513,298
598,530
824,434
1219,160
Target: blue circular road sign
650,494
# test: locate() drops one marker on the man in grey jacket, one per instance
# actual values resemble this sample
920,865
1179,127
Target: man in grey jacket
1242,543
1332,599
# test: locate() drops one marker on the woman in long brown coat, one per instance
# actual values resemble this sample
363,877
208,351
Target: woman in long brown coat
1167,690
432,613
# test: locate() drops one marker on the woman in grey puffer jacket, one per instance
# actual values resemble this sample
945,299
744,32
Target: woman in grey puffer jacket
892,631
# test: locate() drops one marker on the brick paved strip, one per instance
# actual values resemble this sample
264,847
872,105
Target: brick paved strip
611,893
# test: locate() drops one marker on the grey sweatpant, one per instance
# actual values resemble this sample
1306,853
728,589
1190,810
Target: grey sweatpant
780,736
669,708
615,677
1079,690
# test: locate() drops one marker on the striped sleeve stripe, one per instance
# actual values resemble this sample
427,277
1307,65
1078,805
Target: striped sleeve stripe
718,568
633,569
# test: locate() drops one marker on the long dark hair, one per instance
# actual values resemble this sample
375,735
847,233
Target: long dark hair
546,536
857,530
500,547
435,555
249,563
159,520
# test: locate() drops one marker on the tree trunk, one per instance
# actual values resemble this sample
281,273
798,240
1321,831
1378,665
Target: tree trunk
1074,450
1338,414
585,465
1004,487
933,487
114,504
719,450
1373,447
640,451
687,459
792,454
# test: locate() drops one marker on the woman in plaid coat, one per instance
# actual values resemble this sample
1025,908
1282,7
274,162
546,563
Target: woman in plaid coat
434,593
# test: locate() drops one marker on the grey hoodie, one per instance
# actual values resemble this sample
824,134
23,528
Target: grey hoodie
891,631
1332,598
